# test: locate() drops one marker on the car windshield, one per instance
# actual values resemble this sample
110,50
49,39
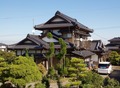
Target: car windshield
103,66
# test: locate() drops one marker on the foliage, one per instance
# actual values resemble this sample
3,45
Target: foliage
51,53
88,86
42,69
63,49
114,58
74,84
77,67
75,71
8,56
93,79
65,71
20,71
59,69
49,35
62,53
39,85
67,85
51,72
45,81
111,83
51,50
67,62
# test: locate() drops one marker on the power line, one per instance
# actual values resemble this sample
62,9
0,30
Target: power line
101,36
109,27
22,17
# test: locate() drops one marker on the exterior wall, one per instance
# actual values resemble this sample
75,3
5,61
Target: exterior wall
92,62
3,48
18,52
95,58
66,35
57,20
49,39
56,32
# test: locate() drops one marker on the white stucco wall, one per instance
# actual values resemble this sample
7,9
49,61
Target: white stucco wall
3,48
95,58
49,39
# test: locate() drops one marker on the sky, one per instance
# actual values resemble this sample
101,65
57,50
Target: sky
18,17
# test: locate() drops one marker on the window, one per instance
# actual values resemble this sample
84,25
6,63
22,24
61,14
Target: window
67,35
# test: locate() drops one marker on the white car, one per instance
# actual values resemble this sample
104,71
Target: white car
104,67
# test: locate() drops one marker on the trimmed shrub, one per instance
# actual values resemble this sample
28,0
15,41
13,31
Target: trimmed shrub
42,69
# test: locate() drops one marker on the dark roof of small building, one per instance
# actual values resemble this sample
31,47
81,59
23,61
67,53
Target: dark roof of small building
113,45
70,23
37,39
83,53
115,39
2,44
24,47
39,44
96,45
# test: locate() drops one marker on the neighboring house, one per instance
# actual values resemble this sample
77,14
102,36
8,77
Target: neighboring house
114,44
97,47
61,26
3,47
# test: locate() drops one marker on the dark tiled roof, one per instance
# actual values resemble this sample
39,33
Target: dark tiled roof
2,44
39,43
115,39
96,45
112,45
82,33
44,26
83,53
24,47
37,39
71,22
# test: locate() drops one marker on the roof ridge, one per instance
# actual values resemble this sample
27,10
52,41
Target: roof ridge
66,16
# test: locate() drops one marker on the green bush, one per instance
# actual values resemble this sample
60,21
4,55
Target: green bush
8,56
67,62
92,79
67,85
49,35
72,69
114,58
88,86
65,71
42,69
39,85
76,60
111,83
20,71
45,81
52,73
77,83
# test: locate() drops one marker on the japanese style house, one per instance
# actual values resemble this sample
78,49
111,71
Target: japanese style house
114,44
96,52
65,27
97,46
60,26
